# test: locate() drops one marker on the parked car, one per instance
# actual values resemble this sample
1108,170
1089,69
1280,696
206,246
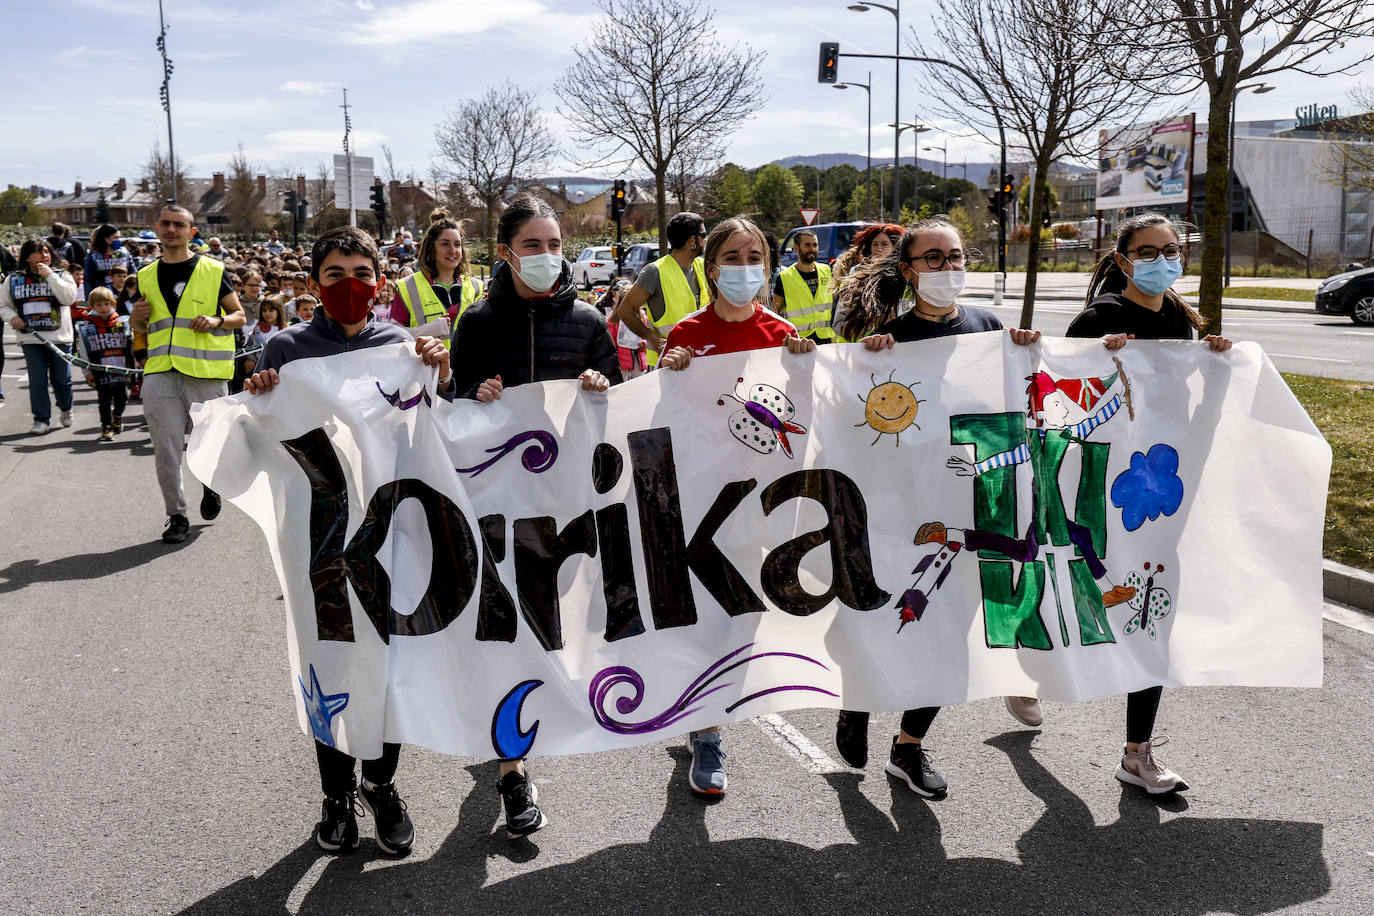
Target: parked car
833,239
637,257
593,266
1350,293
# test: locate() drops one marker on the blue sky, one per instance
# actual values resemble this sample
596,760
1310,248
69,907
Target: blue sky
267,76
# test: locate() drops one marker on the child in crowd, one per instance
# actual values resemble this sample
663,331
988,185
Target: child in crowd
271,321
103,339
78,304
630,347
305,309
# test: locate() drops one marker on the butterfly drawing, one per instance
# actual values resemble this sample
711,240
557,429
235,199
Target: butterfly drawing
1150,602
766,419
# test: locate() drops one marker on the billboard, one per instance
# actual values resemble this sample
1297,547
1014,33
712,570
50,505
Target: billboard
1148,165
362,181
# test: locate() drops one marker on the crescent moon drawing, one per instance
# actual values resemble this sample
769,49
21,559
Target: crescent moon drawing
507,739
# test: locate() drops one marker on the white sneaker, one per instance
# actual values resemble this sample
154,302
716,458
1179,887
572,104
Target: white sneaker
1142,769
38,428
1026,710
65,418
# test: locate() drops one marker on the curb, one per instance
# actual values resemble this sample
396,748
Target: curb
1345,585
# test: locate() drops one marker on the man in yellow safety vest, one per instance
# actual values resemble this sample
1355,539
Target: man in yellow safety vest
673,287
189,309
801,293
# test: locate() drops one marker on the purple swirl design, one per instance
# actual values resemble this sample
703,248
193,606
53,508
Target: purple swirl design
394,399
608,679
537,457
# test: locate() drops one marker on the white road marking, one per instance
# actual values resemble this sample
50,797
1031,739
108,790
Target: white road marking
1349,617
798,745
1320,359
1359,333
306,884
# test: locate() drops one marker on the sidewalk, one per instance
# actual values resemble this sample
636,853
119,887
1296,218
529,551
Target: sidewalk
1349,586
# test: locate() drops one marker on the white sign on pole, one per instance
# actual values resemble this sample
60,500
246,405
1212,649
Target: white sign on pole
362,179
809,215
1146,166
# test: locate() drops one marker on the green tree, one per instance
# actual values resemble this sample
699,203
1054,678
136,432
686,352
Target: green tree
839,182
963,221
857,204
102,208
1047,199
810,178
730,191
19,206
778,195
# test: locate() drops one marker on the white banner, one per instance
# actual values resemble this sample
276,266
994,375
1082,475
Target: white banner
564,571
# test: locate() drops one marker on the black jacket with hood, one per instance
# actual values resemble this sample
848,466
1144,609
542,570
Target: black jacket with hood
530,340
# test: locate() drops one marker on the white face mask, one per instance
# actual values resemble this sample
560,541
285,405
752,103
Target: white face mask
540,271
940,288
739,282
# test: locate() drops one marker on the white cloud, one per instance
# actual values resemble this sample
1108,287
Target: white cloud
365,5
82,53
15,165
307,87
430,21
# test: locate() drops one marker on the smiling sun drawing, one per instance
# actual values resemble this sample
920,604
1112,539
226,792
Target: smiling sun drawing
890,408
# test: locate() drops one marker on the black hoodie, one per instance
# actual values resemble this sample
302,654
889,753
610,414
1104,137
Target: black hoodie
530,340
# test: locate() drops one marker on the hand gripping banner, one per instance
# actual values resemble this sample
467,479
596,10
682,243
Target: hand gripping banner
562,571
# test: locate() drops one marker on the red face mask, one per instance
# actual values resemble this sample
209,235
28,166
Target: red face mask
349,300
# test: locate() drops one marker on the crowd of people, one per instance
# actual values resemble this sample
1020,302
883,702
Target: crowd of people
192,309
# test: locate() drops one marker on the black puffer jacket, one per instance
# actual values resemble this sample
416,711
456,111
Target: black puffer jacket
530,340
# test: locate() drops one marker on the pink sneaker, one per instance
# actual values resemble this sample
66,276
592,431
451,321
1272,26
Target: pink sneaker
1141,768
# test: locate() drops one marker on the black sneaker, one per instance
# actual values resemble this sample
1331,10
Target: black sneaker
106,435
851,738
337,830
177,529
523,816
209,505
118,425
910,764
395,832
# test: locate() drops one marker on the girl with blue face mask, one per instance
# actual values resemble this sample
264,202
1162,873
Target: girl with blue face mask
1130,296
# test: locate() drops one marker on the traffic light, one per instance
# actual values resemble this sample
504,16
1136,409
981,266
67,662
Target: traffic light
618,199
995,203
830,62
289,204
1008,184
378,206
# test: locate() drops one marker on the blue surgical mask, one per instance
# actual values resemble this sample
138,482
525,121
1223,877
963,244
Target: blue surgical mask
739,282
1153,277
116,244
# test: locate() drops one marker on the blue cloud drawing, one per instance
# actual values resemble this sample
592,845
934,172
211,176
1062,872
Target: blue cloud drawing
1149,488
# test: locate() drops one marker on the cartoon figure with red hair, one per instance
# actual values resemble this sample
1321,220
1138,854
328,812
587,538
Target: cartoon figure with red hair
1075,406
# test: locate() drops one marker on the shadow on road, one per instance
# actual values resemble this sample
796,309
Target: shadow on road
83,566
897,863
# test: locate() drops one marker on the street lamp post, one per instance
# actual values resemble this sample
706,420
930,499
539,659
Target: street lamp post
868,157
917,129
1259,89
944,190
166,95
896,10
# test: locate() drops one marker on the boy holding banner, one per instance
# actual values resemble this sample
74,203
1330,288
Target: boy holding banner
345,274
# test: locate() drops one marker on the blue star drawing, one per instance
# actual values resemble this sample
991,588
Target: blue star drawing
321,708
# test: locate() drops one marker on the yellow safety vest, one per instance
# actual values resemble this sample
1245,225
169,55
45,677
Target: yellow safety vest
811,314
415,288
172,345
678,301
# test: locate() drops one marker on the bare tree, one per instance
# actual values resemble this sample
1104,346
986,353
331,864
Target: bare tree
319,191
157,171
693,168
492,142
1351,164
1053,86
1219,45
242,203
651,82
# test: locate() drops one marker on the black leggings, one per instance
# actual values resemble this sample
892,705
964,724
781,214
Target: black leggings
112,402
336,768
1141,708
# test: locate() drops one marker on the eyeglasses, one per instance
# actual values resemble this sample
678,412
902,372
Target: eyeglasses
1151,253
936,260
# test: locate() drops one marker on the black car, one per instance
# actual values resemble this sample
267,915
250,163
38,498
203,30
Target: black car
1350,293
637,257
